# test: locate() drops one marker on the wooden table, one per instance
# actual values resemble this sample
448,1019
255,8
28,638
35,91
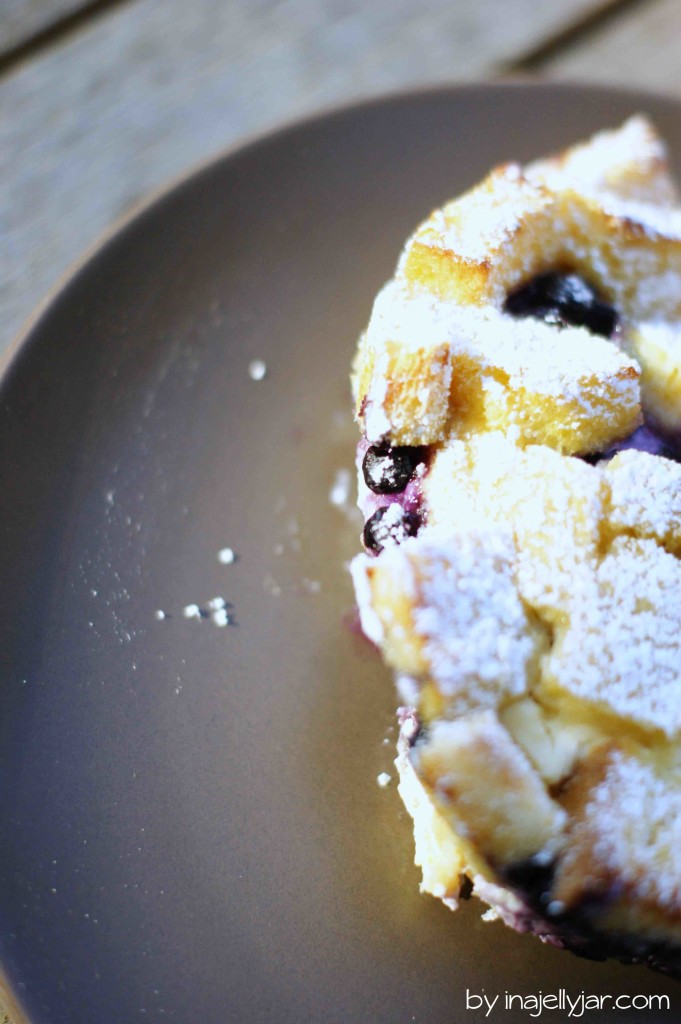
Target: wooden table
104,101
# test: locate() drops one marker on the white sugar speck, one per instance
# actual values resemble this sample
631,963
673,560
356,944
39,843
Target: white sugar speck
217,604
192,611
160,614
257,369
340,491
383,779
220,617
226,556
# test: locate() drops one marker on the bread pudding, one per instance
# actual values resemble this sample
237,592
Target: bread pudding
518,387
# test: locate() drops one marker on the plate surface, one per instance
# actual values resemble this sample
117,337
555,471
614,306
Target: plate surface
192,828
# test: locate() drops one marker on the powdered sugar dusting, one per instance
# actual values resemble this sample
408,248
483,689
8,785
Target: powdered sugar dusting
630,162
476,634
487,218
645,497
633,822
622,648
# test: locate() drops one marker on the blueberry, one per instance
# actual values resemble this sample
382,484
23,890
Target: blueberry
563,299
396,526
388,470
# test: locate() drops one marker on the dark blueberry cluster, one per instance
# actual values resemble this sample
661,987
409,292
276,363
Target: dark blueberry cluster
379,530
388,470
564,300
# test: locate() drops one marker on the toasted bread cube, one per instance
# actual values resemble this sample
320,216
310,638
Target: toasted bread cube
552,505
645,498
480,246
629,161
656,347
442,855
624,841
427,370
620,652
630,251
567,389
488,790
449,612
402,370
553,742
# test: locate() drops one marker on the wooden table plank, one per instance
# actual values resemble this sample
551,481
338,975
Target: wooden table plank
150,89
21,20
640,50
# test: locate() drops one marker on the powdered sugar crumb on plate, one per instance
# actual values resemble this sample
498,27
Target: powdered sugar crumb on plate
217,610
257,369
340,490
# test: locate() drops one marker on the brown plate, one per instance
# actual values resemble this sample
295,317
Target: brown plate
192,827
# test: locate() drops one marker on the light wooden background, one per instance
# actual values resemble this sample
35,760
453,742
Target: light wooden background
102,102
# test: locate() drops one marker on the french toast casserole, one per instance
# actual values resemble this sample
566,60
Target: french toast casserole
518,388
